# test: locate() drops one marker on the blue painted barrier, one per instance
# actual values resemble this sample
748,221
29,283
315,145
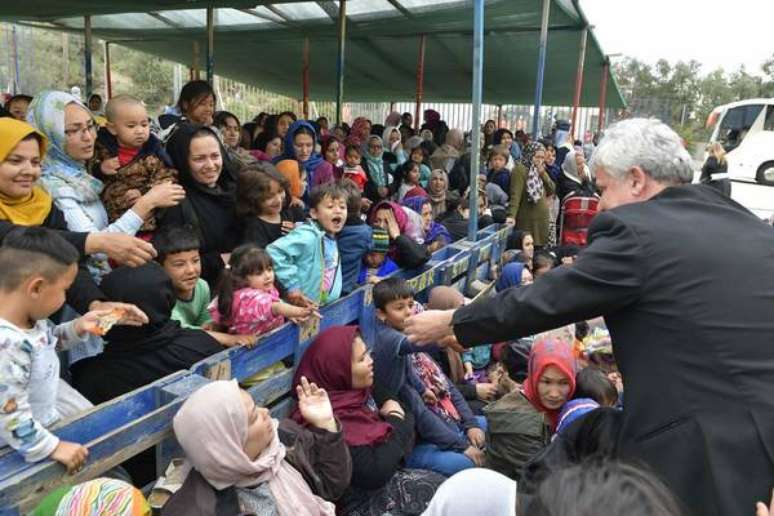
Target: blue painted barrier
121,428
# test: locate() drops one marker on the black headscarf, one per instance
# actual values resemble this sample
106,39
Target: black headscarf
179,149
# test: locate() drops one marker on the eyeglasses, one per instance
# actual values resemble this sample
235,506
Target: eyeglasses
81,131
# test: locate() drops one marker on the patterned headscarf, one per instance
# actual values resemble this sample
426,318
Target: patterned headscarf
358,134
535,190
63,176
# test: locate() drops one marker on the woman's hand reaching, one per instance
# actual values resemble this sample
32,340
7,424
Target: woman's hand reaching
314,405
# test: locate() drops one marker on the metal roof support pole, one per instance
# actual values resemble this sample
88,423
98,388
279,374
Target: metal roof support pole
475,130
211,45
579,82
108,76
541,68
305,78
87,56
195,63
15,51
499,115
603,95
342,38
420,78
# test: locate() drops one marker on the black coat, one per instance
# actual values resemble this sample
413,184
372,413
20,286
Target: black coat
690,314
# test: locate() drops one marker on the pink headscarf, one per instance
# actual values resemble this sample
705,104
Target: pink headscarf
211,426
359,132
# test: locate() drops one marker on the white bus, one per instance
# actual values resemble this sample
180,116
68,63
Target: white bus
746,131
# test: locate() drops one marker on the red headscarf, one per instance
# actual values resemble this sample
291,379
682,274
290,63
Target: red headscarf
358,133
328,363
548,352
400,216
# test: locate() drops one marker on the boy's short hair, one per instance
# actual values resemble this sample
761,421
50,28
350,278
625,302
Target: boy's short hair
320,192
389,290
175,239
34,250
592,382
543,259
354,197
115,103
499,150
354,149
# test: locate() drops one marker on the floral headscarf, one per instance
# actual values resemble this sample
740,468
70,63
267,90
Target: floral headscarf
535,190
358,134
63,176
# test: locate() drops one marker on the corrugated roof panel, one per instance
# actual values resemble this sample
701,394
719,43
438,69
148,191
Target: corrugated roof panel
302,11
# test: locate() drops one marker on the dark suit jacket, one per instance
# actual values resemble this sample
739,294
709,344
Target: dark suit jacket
685,282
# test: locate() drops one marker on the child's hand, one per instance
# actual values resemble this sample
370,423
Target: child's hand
429,397
287,226
247,341
165,195
373,279
110,167
295,297
72,455
300,315
314,405
468,371
131,196
476,437
475,454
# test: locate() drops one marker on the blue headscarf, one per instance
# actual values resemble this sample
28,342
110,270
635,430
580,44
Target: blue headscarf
289,151
436,230
63,176
510,277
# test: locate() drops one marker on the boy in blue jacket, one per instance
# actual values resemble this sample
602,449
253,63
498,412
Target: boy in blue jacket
355,240
451,437
306,260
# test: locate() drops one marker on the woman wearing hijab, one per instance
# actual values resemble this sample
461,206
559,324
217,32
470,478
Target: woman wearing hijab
299,162
210,200
405,233
378,165
435,125
530,185
254,464
359,132
474,491
435,235
447,154
521,423
379,438
514,274
71,133
436,190
392,140
575,178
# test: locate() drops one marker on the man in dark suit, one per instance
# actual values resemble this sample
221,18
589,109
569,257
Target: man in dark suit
684,277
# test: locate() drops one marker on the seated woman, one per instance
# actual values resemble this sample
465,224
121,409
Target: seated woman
196,105
405,235
254,464
378,165
435,235
231,134
209,205
299,162
379,438
521,423
267,146
71,133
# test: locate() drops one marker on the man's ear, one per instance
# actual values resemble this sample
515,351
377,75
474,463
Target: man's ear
638,180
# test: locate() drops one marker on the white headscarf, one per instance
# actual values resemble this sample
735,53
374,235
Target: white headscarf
474,491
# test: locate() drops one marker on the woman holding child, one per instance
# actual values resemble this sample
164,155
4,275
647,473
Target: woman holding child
379,438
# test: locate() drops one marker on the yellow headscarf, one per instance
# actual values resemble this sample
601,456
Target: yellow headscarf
31,210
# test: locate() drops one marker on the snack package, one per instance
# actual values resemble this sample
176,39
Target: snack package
107,321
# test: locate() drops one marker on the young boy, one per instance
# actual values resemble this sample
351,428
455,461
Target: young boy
36,268
498,173
178,254
354,240
306,260
378,264
352,169
128,158
448,445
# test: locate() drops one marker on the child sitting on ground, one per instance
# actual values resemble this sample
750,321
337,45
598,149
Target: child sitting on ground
452,439
248,303
352,169
377,263
307,260
178,254
128,158
37,267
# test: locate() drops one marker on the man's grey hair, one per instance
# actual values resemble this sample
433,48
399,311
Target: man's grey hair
646,143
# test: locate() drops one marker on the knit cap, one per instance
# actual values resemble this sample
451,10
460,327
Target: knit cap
574,410
381,241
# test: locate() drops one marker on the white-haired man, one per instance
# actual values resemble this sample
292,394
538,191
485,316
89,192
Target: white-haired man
684,277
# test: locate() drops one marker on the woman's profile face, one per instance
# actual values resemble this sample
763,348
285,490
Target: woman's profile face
362,365
260,428
80,133
205,160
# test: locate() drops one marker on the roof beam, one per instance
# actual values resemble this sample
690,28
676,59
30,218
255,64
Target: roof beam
260,16
279,13
165,20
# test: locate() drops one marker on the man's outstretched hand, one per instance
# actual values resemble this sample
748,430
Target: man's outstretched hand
431,326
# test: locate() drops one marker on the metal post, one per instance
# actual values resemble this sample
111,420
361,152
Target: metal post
15,51
305,78
195,64
579,81
420,79
541,69
603,95
499,115
87,55
342,37
475,131
108,76
210,45
65,61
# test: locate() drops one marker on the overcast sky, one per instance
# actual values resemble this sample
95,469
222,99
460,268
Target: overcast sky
716,33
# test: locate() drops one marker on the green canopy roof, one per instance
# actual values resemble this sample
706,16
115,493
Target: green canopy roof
261,43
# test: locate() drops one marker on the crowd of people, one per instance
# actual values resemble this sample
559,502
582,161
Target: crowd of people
132,248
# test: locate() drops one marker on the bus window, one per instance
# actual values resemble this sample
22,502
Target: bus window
768,124
736,124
